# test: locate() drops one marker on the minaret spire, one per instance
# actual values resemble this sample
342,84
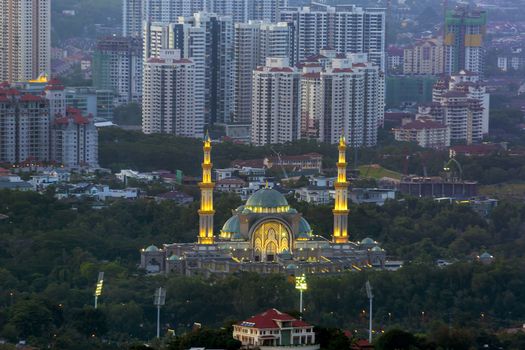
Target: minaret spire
206,211
341,211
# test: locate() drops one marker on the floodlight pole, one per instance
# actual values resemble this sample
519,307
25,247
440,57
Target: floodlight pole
300,304
96,301
370,322
158,321
370,296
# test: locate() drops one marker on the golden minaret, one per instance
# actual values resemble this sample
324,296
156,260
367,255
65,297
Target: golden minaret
206,211
341,197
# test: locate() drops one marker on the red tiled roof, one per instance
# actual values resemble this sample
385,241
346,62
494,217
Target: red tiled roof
269,318
312,75
423,123
231,181
281,69
342,70
359,65
30,98
476,149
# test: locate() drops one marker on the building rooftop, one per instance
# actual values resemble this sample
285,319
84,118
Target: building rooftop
270,319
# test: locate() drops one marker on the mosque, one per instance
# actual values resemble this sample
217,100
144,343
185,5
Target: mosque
265,235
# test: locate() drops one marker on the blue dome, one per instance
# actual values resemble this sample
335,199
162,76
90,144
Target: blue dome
368,241
232,225
152,248
304,227
174,257
292,267
377,249
266,198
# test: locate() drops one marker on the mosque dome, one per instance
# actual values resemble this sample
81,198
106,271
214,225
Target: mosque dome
377,249
267,198
174,257
152,248
304,227
368,241
231,226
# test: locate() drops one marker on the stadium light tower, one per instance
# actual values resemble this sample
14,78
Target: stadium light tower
370,298
98,289
300,283
159,300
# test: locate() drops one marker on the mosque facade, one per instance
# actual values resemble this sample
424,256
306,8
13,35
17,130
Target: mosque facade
265,235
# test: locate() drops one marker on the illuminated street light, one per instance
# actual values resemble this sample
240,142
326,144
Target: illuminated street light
98,289
300,283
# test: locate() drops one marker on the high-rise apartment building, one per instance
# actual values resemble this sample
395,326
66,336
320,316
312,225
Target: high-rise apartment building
38,127
464,35
218,65
136,12
117,66
74,139
276,103
462,103
344,28
424,58
341,96
168,104
25,39
254,42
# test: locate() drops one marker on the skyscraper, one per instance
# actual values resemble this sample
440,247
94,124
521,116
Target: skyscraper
276,103
132,18
25,39
254,42
168,104
218,64
344,28
341,95
117,66
464,35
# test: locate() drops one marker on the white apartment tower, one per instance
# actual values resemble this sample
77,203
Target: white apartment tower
341,96
25,39
168,104
344,28
132,18
74,140
276,103
254,42
117,66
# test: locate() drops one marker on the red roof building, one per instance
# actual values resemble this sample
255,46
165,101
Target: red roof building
275,329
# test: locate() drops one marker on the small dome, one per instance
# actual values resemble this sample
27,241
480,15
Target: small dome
236,237
292,267
285,254
486,255
377,249
304,227
368,241
240,209
231,225
267,198
292,211
152,248
174,257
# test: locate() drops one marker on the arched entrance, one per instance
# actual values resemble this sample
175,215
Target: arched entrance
269,238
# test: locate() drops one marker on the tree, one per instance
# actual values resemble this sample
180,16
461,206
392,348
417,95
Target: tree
31,317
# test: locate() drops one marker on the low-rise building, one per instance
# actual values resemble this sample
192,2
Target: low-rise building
425,132
178,197
274,329
230,185
376,196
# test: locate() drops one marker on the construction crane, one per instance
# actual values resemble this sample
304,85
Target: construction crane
280,162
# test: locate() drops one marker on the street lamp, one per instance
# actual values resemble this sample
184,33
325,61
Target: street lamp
98,289
300,283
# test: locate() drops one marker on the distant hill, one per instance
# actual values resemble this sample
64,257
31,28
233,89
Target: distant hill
87,14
